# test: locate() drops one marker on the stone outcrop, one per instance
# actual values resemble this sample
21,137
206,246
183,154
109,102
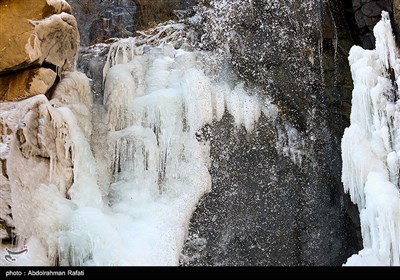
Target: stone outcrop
37,39
277,198
101,20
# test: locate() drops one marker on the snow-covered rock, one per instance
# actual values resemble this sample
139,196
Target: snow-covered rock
34,32
38,40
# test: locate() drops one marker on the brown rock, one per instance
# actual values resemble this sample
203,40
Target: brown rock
4,129
26,83
36,31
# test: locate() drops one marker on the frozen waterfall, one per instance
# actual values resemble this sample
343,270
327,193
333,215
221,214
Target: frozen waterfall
126,197
371,148
115,184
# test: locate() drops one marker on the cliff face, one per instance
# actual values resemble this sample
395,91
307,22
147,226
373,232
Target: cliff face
365,14
102,20
277,198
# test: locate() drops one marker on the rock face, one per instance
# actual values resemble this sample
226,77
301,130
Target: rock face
102,20
37,35
26,83
366,13
34,32
277,198
396,17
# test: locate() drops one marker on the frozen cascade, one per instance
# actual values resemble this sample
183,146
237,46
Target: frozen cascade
157,97
371,148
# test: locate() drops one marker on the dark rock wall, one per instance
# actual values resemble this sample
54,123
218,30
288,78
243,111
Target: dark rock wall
266,208
99,20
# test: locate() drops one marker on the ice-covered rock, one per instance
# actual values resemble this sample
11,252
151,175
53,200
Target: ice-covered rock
371,145
38,42
35,32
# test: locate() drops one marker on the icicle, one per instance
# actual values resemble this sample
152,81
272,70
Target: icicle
369,149
386,49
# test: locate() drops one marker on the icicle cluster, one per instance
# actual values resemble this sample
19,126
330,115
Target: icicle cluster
371,148
156,103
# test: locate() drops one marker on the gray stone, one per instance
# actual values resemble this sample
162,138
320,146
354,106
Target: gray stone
371,9
368,41
91,16
187,4
91,62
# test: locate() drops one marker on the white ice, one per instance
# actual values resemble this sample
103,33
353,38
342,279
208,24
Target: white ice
371,148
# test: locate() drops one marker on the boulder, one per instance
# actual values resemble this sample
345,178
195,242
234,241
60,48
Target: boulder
26,83
34,32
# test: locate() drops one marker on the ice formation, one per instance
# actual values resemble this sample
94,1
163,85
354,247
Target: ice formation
116,184
371,148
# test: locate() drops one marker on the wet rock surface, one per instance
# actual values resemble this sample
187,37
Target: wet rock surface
277,198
